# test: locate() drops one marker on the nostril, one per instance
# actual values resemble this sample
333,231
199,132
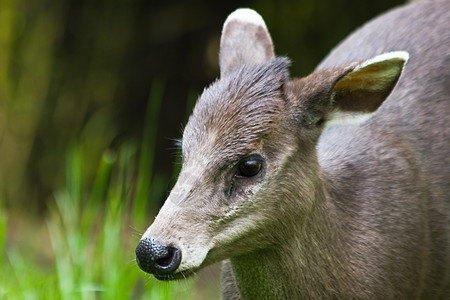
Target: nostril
155,258
167,260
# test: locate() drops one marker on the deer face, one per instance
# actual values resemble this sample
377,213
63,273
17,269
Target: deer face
231,154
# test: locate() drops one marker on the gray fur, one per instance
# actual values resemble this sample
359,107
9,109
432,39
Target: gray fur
241,107
346,212
258,47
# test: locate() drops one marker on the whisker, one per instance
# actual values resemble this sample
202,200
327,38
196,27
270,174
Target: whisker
132,262
137,234
177,143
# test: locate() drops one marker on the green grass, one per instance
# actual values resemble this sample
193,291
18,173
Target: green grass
91,231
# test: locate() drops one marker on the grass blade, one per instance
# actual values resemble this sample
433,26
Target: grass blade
147,151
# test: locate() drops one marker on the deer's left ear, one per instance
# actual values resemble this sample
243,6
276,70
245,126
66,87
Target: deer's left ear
358,93
245,40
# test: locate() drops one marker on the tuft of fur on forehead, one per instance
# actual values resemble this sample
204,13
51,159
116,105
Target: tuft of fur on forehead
236,112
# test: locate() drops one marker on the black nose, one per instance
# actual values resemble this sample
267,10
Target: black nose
155,258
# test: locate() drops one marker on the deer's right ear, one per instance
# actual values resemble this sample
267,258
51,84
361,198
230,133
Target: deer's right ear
347,94
245,40
364,88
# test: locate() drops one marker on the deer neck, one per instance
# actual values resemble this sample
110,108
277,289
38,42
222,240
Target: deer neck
307,264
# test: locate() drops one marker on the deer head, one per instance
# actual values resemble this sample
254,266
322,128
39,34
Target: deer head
250,173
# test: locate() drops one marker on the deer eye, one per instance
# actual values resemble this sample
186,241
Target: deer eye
249,166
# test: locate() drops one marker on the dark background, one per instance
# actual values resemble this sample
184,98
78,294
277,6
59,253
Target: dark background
80,71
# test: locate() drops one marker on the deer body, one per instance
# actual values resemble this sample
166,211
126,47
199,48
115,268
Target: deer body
298,203
409,184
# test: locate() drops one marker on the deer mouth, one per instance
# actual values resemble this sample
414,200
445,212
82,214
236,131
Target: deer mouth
177,276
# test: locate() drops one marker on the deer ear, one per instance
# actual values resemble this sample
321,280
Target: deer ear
245,40
359,93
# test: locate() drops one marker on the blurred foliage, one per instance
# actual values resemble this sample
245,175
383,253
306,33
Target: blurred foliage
92,241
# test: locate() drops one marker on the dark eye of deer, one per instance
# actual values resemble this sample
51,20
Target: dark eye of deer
249,167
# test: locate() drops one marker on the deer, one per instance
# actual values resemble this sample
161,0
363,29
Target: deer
331,186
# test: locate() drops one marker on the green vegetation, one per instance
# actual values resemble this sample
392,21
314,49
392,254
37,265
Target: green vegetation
92,231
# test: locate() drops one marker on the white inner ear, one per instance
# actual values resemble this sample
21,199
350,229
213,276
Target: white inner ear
382,57
339,117
365,77
246,15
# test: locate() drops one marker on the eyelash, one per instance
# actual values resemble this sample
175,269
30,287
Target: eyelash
237,176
